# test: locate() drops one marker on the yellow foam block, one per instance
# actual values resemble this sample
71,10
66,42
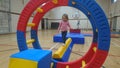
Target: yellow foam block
96,30
31,24
30,41
61,51
68,41
39,10
21,63
73,2
67,66
94,49
55,1
83,64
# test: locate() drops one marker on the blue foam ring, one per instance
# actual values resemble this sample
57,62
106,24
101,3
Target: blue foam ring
79,5
21,39
36,44
98,21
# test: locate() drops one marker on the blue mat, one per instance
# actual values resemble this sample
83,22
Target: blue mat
76,38
88,35
115,32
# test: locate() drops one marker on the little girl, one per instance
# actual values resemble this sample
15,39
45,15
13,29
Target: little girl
64,26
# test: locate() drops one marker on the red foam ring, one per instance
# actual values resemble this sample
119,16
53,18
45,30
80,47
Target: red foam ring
63,2
23,21
36,20
77,64
24,18
26,13
71,65
48,6
98,59
39,16
90,53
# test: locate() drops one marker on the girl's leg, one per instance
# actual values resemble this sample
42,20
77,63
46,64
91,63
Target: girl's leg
64,33
65,36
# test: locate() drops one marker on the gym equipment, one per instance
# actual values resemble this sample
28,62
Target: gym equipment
98,51
77,38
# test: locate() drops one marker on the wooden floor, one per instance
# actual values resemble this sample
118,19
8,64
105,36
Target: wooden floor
8,46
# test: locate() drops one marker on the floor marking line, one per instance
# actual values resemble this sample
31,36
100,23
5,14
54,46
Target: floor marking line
53,46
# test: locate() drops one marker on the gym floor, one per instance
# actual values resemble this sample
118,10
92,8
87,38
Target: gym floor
8,46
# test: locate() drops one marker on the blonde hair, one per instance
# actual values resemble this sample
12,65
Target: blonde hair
66,16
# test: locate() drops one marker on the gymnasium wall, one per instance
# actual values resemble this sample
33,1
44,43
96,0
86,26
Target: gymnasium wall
55,15
105,5
16,6
4,17
115,14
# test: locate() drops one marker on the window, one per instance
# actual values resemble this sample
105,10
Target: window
113,1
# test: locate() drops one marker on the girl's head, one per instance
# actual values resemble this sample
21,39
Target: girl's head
65,17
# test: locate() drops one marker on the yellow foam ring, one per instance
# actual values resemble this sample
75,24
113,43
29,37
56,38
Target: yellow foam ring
61,50
31,24
55,1
21,63
30,41
83,64
39,10
67,66
73,2
94,49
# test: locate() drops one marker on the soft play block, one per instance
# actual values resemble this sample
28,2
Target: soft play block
22,63
75,31
32,58
76,38
65,56
61,51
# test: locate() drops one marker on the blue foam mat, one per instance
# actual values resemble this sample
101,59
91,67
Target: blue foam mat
76,38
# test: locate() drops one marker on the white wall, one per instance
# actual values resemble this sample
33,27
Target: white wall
57,13
115,12
18,5
118,23
115,8
84,24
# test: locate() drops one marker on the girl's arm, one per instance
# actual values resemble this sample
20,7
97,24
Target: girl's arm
69,26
